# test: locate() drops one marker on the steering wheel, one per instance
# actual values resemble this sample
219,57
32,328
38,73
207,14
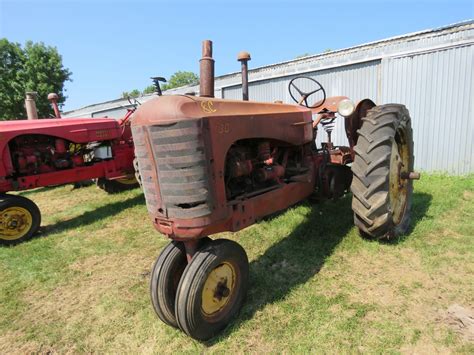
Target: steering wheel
292,87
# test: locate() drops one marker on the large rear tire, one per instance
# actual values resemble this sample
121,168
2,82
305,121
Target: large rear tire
20,219
382,193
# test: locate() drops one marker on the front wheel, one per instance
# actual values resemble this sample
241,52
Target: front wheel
382,191
212,289
164,281
20,219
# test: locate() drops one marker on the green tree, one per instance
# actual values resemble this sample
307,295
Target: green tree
36,67
132,94
12,93
181,78
149,90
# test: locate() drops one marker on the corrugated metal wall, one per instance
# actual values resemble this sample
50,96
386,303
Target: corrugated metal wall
437,87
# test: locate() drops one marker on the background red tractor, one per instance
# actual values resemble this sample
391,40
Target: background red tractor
45,152
213,165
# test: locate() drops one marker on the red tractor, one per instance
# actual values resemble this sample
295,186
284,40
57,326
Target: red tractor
45,152
214,165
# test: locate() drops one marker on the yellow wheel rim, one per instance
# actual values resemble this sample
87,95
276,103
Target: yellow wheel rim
399,165
15,222
129,180
218,289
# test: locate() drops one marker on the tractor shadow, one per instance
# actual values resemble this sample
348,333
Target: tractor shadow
297,258
419,208
89,217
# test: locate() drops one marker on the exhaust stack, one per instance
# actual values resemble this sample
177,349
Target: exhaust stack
30,105
244,57
206,82
53,98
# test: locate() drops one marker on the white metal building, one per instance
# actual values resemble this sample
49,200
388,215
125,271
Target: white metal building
431,72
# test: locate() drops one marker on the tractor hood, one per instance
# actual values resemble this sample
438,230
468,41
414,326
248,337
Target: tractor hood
79,130
178,107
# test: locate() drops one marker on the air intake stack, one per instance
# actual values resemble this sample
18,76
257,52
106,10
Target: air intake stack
30,106
244,57
206,82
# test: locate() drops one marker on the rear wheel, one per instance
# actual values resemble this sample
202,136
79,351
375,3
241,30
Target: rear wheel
20,218
212,289
118,185
382,192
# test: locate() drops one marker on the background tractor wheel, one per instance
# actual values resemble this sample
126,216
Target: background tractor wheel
138,177
382,193
118,185
212,289
20,218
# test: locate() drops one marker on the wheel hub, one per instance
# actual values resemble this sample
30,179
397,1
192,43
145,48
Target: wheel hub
399,165
218,289
15,223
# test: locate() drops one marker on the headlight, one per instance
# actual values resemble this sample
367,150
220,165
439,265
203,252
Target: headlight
345,107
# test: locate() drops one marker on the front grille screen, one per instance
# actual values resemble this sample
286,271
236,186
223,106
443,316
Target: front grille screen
178,152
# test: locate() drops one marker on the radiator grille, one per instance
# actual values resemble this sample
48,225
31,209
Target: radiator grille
178,151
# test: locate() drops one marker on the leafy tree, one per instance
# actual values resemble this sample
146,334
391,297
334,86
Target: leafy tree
181,78
12,93
36,67
149,90
132,94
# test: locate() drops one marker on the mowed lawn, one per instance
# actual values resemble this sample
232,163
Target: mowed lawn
82,284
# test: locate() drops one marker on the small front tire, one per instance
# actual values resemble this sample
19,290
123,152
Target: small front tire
212,289
165,276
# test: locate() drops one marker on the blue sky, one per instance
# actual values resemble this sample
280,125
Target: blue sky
115,46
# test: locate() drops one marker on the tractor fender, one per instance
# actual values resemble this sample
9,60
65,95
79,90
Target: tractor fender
354,121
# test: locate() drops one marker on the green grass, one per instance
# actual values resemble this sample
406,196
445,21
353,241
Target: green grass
82,284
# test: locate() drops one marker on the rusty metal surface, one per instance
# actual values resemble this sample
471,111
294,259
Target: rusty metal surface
413,175
243,58
178,151
30,106
185,140
53,98
206,64
353,122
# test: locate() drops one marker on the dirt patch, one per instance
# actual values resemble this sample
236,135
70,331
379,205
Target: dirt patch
461,320
468,195
402,290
